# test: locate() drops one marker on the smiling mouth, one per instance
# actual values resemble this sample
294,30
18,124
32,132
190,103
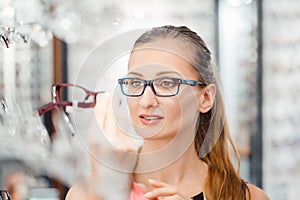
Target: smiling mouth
150,117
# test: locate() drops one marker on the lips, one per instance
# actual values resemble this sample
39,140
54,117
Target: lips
147,119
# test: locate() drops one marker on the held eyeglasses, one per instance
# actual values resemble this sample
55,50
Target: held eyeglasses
84,99
161,87
4,195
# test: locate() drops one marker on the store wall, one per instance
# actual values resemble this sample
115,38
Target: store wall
238,70
281,102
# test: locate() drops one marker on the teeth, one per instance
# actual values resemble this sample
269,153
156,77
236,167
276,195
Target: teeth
150,118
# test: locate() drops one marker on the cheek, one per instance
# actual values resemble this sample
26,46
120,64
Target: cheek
187,110
173,110
190,110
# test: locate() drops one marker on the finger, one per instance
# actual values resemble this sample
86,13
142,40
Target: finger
164,191
108,124
157,184
161,192
174,197
170,197
102,110
105,118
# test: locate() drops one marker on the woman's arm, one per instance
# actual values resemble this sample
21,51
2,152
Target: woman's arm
113,156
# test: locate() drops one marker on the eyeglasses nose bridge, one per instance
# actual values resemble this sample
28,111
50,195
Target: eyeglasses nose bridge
149,83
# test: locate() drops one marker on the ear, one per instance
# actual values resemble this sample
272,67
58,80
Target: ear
206,98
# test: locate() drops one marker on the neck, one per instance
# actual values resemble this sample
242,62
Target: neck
186,171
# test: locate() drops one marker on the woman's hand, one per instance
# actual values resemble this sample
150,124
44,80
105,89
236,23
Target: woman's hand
165,191
113,154
109,125
116,147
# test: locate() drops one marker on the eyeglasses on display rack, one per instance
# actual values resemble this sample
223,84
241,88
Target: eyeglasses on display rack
11,34
4,195
5,40
161,87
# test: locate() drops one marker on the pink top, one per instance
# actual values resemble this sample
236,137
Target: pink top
137,193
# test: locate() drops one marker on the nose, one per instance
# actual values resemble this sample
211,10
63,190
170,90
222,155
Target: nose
148,99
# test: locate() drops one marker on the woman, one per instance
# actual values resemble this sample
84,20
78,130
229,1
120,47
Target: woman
175,105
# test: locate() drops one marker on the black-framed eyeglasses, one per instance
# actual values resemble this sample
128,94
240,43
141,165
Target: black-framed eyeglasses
161,87
83,98
4,195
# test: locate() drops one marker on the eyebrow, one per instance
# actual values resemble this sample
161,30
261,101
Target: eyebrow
135,73
158,74
167,72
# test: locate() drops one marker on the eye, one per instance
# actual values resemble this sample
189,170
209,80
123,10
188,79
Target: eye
168,83
136,83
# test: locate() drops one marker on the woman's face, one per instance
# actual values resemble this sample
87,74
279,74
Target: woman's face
156,117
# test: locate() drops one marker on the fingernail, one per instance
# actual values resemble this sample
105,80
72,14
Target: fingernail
151,181
148,194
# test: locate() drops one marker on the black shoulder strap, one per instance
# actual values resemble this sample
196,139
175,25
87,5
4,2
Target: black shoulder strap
198,197
201,196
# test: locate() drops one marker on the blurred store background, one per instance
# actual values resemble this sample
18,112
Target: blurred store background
255,44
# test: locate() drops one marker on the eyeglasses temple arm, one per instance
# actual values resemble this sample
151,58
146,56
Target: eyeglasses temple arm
89,104
51,105
45,108
201,83
68,122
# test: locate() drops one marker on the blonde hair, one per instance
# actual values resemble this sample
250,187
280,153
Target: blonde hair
212,136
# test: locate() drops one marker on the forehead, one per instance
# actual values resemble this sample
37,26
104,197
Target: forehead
160,56
151,71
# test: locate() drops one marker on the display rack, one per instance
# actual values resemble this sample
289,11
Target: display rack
281,102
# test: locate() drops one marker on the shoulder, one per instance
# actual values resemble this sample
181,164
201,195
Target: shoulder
257,193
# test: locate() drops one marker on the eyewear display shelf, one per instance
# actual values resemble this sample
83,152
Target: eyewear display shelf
281,99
